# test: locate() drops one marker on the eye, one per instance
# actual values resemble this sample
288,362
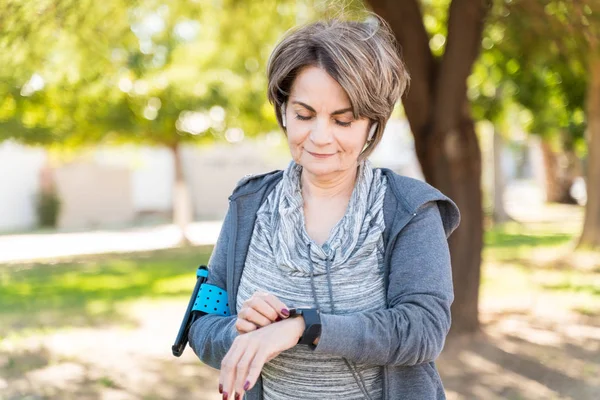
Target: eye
302,118
344,124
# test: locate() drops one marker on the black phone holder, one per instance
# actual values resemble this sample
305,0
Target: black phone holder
206,299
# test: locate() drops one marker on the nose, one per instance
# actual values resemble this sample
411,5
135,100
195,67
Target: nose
321,133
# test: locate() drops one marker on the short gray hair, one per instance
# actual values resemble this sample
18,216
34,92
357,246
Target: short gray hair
361,56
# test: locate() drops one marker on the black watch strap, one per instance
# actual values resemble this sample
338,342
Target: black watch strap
312,320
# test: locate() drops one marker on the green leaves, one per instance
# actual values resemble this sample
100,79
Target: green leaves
535,58
80,72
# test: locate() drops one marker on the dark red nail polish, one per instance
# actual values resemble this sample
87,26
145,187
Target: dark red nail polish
285,312
220,388
246,385
237,396
225,396
278,319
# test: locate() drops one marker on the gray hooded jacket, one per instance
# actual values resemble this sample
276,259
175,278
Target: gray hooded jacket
405,338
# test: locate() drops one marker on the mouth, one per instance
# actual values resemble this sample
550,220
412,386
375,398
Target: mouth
320,155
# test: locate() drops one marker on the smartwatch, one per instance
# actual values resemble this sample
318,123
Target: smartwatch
312,320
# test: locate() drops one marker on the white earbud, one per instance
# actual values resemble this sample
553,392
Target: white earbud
283,115
372,131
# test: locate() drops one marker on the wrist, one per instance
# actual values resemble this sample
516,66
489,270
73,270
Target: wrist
299,326
311,323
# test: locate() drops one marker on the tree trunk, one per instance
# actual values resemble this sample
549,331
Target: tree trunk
453,165
559,176
500,215
590,236
439,115
182,209
550,172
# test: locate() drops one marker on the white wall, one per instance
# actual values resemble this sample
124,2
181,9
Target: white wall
396,150
19,179
212,173
94,196
151,180
152,174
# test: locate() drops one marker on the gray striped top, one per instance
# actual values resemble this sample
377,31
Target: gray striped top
348,268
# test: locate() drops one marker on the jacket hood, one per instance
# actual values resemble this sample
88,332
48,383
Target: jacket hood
412,194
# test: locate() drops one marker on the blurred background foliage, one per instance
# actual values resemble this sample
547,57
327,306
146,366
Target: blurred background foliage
78,74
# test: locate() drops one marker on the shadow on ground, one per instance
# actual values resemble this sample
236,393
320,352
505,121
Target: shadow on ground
523,357
41,377
517,356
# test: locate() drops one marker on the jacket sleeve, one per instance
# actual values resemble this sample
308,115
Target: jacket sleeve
211,336
414,327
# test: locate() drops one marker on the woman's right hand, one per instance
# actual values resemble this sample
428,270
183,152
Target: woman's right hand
260,310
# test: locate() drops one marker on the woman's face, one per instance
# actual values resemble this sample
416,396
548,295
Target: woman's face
322,134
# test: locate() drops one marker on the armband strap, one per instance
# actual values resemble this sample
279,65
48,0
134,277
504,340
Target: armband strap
212,299
202,272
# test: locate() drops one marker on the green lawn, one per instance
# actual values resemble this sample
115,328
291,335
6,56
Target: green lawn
535,260
88,290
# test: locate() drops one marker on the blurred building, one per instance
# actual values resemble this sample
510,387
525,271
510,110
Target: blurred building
19,182
125,186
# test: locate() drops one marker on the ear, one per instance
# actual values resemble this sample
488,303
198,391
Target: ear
372,131
283,121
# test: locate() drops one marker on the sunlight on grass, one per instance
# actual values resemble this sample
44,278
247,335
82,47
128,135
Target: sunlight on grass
525,263
175,285
91,289
97,307
504,279
588,310
514,241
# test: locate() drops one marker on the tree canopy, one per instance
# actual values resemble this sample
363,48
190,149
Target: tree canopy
148,71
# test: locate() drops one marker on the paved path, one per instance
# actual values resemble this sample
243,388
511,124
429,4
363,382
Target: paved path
30,247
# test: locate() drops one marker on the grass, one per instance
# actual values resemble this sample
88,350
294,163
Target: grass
515,241
107,382
503,238
90,290
534,260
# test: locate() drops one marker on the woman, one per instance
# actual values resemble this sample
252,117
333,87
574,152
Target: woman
362,251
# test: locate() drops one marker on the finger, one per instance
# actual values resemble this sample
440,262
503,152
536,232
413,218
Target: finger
242,370
278,305
229,365
261,305
251,315
254,370
244,326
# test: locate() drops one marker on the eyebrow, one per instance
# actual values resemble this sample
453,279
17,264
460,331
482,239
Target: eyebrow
337,112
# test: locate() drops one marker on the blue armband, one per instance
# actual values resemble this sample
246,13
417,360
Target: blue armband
211,299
